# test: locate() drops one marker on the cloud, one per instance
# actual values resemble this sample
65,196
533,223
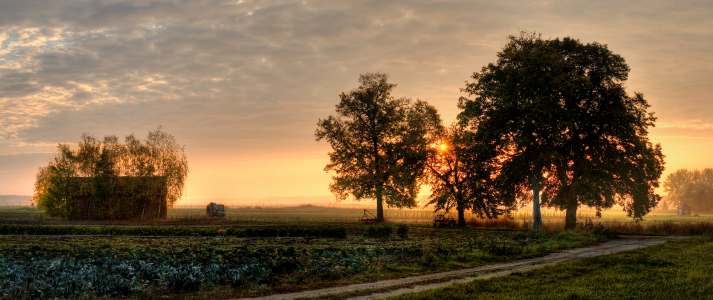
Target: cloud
254,76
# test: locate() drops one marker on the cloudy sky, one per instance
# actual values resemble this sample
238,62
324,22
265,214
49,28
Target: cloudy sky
242,83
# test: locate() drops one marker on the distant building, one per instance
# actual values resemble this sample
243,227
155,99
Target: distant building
124,199
684,210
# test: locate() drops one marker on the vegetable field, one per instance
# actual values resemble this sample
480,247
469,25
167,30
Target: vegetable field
261,251
141,267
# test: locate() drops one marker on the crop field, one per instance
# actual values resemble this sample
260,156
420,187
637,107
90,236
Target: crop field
255,252
261,251
47,267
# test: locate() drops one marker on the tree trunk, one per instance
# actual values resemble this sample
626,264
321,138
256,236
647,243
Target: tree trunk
461,216
536,215
571,215
379,205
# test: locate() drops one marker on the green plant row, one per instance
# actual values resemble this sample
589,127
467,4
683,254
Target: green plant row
325,232
110,272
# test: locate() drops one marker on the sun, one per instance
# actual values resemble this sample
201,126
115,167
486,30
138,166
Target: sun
443,147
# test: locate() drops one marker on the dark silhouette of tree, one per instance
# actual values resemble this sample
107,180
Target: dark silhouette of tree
460,172
379,144
559,110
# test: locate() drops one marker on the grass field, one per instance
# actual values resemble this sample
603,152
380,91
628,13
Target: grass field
674,270
656,222
348,213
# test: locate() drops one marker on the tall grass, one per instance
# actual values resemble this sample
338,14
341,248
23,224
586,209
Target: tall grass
666,227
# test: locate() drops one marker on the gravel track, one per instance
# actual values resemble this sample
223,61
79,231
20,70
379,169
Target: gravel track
424,282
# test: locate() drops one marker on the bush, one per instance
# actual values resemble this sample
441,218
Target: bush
379,232
325,232
402,231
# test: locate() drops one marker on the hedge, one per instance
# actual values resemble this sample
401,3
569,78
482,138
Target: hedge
324,232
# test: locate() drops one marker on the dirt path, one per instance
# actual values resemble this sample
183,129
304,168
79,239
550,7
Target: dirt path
424,282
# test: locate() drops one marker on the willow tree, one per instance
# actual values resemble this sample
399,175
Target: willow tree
460,172
559,111
96,166
379,144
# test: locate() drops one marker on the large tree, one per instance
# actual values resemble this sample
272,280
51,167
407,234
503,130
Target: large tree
560,112
379,144
460,172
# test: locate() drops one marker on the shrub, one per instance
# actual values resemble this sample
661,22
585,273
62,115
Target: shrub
402,231
379,232
326,232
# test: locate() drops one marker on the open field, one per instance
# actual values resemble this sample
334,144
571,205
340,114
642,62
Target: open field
674,270
314,215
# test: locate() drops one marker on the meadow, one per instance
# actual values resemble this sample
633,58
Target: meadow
673,270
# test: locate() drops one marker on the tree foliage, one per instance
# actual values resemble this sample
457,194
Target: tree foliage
559,111
96,166
693,188
460,172
379,143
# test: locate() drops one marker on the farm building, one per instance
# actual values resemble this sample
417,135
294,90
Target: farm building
684,210
121,198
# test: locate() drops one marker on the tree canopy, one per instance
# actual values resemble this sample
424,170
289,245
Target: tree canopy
558,110
460,173
379,143
103,162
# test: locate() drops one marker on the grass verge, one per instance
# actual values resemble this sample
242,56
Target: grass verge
673,270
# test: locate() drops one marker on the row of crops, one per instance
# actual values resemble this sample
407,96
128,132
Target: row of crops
323,232
40,273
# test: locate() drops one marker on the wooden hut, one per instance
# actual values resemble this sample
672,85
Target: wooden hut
120,198
684,210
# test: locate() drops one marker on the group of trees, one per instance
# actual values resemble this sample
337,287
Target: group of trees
549,121
693,188
95,166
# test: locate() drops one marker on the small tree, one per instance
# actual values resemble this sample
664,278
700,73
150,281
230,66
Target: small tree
55,184
379,144
675,185
460,172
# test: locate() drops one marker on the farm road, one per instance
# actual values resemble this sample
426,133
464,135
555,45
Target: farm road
435,280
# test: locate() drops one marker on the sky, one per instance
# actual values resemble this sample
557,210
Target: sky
242,83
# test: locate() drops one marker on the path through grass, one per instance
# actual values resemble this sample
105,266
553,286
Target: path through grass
674,270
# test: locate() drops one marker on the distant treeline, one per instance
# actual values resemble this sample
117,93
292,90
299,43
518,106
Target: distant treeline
15,199
693,188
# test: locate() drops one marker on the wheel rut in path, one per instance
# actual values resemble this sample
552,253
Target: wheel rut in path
424,282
